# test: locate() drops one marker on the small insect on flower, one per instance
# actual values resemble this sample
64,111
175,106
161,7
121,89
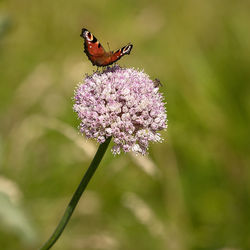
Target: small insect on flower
157,83
122,103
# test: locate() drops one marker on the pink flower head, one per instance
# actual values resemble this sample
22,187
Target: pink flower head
122,103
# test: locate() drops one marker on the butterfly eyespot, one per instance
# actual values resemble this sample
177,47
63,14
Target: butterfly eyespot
127,49
89,36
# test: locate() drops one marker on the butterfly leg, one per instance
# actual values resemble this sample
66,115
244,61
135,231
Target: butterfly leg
97,68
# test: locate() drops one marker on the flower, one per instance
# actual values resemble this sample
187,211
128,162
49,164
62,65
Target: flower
122,103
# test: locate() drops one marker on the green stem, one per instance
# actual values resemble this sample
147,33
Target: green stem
77,195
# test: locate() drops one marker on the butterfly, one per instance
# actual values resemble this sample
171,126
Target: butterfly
97,54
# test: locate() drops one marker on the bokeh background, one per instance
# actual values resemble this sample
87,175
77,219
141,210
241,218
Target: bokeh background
192,191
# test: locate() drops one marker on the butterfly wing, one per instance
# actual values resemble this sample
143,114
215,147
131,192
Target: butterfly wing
117,55
97,54
92,47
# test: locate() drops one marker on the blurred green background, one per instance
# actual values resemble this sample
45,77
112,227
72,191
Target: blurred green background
192,191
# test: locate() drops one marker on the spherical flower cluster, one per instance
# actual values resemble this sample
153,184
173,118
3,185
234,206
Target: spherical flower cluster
122,103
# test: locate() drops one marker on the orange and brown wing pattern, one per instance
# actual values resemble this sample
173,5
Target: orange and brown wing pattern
92,47
115,56
97,54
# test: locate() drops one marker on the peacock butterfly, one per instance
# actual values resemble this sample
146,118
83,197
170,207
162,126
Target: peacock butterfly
97,54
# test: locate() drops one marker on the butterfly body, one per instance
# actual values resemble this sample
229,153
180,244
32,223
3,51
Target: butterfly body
97,54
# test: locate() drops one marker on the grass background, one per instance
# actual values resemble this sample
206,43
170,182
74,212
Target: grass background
192,191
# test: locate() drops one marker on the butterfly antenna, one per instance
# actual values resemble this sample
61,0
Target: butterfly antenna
108,46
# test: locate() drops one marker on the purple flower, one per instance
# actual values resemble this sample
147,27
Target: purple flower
122,103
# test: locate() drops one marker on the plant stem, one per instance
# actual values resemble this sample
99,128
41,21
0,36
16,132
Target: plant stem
77,195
